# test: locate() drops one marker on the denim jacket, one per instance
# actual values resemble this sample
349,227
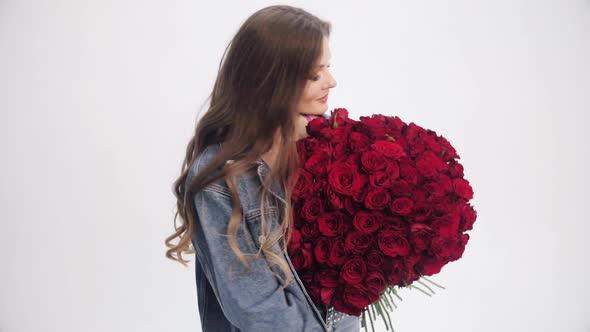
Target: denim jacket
230,298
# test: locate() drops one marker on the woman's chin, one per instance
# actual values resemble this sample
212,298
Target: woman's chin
321,109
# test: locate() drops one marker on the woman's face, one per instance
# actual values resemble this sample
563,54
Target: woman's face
318,85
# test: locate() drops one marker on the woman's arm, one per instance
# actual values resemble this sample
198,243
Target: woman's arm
251,300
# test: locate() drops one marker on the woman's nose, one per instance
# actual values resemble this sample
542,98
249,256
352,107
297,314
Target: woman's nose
331,82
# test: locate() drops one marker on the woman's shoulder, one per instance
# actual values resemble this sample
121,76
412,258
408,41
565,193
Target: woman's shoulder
246,182
201,161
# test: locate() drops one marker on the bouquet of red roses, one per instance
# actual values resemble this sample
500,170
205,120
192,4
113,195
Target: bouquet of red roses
379,204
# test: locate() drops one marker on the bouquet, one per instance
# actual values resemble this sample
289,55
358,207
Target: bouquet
377,204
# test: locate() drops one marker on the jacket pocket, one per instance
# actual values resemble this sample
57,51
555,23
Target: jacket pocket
254,222
254,225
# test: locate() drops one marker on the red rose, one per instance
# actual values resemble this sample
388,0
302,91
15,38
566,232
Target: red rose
309,146
339,117
359,141
448,248
357,242
337,254
445,182
375,125
401,206
321,250
380,180
353,271
422,211
295,240
359,196
420,236
302,184
460,247
317,125
335,199
396,124
340,135
435,189
317,162
310,230
331,223
429,164
410,262
447,225
455,169
389,149
430,265
317,188
392,243
431,142
377,199
420,195
392,168
439,248
413,131
468,216
306,277
312,208
344,179
372,161
339,151
375,282
351,206
314,291
374,258
326,295
394,223
367,221
409,173
462,188
400,188
394,270
302,258
448,151
354,299
352,159
328,278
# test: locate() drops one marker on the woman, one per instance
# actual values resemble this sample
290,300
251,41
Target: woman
234,193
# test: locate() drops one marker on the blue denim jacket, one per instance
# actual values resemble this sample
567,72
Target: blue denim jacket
230,298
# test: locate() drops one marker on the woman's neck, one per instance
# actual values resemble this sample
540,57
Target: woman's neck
270,156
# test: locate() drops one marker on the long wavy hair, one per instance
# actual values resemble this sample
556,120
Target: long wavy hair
260,80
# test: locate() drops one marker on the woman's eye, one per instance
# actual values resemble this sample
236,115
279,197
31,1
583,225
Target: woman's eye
315,78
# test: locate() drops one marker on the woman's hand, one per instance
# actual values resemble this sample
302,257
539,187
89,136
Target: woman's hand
301,125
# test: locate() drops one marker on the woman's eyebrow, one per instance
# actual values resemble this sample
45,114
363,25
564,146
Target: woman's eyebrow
320,66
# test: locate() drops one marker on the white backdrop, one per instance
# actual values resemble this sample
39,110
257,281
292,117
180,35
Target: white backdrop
98,100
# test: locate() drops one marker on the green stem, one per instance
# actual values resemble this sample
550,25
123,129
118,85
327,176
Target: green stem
371,320
386,301
420,289
380,312
425,285
389,319
432,282
395,293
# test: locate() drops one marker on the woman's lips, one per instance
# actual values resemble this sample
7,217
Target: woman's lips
323,99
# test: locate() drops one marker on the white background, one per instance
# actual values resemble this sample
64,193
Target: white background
99,98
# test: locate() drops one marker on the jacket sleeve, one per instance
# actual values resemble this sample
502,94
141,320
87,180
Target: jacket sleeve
251,300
